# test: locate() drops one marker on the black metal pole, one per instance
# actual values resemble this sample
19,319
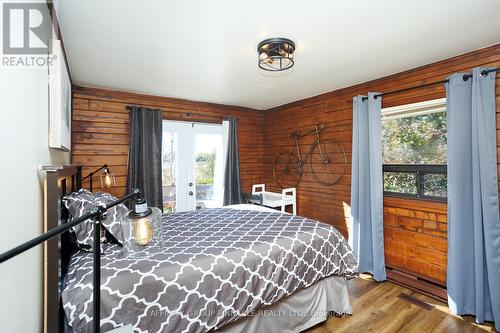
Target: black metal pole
46,236
91,174
97,274
96,215
62,228
134,193
96,316
466,77
97,259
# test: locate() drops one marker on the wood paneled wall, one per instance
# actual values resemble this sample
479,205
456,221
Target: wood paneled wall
415,231
100,130
415,234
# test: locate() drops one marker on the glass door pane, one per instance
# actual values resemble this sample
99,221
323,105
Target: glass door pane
169,181
209,166
208,150
174,158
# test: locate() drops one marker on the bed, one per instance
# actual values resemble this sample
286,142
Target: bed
232,269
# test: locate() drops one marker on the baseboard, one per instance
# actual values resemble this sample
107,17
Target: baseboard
417,284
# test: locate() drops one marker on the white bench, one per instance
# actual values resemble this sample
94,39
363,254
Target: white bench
288,196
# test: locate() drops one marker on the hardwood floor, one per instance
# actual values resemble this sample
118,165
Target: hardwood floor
377,308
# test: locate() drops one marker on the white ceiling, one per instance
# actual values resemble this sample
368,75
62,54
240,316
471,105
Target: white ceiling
205,50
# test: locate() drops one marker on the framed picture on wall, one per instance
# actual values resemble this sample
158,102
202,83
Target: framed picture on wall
59,100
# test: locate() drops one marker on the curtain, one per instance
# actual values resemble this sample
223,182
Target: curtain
473,273
144,154
232,183
367,236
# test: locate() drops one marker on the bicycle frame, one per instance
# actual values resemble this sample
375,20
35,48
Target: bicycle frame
296,149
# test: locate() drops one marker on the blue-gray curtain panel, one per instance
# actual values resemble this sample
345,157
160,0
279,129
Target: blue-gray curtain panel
144,154
232,182
367,236
473,273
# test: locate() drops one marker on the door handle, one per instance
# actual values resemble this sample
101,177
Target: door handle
190,193
190,184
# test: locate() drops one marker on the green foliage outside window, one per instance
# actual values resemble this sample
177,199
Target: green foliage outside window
205,168
415,140
435,185
401,182
420,140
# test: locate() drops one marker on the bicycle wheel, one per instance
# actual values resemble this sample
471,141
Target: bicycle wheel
328,162
287,170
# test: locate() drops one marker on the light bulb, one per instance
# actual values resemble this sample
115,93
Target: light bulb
266,58
143,232
107,180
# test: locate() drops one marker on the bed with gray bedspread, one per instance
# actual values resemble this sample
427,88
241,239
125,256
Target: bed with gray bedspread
217,266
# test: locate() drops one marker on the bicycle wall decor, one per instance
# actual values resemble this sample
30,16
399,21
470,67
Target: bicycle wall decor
327,161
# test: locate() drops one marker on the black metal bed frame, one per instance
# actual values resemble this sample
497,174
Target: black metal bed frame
62,180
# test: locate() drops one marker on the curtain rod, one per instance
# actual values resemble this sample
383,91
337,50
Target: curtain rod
199,120
465,77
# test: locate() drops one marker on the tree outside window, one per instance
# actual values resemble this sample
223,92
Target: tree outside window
415,139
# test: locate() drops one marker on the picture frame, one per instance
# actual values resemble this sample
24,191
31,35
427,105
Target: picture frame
59,100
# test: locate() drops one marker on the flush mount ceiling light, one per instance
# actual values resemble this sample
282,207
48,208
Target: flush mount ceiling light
276,54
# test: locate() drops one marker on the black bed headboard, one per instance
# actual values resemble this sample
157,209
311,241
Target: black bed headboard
59,181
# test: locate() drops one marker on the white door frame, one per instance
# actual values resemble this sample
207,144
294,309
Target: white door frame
181,173
185,159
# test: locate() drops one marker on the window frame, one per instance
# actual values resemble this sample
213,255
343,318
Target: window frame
419,170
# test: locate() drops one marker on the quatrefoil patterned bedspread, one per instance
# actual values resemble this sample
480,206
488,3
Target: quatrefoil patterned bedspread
217,265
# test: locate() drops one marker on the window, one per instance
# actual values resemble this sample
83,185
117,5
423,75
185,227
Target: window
414,150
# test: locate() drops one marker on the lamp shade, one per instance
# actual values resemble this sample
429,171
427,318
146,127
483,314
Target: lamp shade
108,178
142,230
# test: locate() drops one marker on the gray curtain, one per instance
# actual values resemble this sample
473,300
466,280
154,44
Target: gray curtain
473,276
367,237
144,154
232,183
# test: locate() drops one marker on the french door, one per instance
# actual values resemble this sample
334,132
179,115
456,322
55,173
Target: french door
194,157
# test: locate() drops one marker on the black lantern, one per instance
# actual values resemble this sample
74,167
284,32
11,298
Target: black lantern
276,54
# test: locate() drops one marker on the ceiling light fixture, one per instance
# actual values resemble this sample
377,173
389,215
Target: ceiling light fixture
276,54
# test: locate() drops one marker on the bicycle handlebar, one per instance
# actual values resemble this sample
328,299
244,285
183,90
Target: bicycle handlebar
317,129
